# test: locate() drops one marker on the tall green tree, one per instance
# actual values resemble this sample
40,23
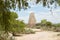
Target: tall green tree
43,22
15,25
5,6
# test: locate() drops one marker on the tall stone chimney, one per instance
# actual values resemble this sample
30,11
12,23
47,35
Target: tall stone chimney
32,20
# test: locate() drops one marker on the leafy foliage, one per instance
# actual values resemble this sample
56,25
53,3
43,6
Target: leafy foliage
18,26
43,22
5,14
49,2
14,26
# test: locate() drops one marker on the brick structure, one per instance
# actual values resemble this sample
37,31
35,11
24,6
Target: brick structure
32,20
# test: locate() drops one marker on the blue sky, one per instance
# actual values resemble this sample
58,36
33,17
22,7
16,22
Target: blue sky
40,13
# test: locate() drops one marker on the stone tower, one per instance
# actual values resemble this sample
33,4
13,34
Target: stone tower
32,20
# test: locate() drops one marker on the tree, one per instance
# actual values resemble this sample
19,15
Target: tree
12,20
5,6
49,2
43,22
6,24
15,25
49,24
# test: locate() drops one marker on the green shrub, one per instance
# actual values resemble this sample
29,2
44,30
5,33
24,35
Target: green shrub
29,31
57,29
58,34
38,27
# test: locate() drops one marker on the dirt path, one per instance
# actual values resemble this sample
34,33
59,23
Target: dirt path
45,35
